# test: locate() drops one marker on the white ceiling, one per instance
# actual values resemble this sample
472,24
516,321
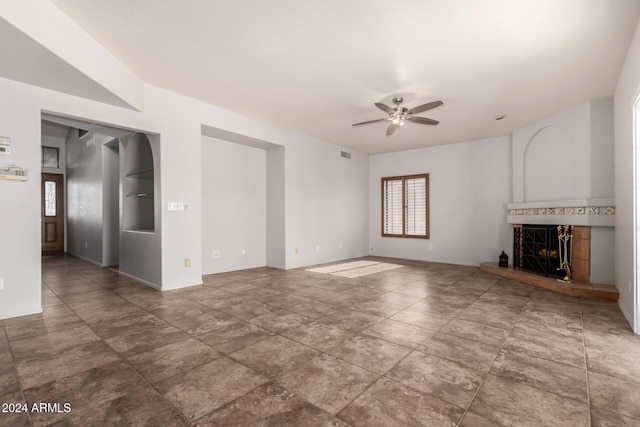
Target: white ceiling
25,61
316,67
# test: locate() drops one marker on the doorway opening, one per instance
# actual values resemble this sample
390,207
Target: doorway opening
110,180
52,214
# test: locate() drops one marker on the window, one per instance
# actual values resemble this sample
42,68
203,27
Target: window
50,157
50,198
405,206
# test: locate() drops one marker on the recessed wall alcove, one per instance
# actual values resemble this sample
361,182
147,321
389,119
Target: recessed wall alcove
548,165
140,236
139,185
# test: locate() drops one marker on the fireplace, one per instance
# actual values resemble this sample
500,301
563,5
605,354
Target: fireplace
535,248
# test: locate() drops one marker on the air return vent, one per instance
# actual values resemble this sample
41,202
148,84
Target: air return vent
345,154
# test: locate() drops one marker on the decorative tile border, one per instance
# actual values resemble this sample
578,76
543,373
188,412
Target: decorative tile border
579,210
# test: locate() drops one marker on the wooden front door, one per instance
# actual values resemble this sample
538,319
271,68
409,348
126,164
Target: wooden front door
52,212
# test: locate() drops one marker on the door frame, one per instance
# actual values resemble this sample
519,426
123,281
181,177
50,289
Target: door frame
60,209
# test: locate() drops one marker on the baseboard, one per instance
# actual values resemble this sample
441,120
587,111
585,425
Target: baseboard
89,260
19,313
173,288
629,317
144,282
279,267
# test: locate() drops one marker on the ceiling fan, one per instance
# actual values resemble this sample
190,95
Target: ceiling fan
398,115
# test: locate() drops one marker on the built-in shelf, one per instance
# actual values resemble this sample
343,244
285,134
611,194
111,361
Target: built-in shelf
146,174
141,231
138,185
141,195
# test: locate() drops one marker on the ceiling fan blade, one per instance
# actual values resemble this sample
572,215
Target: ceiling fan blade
391,129
423,120
384,108
369,121
425,107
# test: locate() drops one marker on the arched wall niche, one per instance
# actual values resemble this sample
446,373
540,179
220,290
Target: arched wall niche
138,185
548,165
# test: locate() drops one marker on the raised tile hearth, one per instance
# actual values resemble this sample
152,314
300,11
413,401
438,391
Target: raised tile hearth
574,289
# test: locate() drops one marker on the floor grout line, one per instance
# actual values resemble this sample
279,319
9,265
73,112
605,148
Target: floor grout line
586,365
492,364
248,278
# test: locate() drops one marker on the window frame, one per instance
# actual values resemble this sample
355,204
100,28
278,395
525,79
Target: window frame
50,150
404,179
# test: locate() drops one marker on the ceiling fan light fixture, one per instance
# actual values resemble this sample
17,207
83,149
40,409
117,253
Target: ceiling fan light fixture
399,115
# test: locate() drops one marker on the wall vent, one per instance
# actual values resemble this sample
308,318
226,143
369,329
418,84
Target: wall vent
345,154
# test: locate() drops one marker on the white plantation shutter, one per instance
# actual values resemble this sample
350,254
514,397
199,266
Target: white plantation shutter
392,207
415,223
405,206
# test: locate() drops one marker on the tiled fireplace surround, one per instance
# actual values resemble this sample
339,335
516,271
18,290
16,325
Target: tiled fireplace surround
593,221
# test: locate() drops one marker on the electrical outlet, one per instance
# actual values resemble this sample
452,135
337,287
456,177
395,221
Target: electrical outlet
430,247
244,252
216,254
86,245
296,251
187,262
176,206
1,283
318,248
340,245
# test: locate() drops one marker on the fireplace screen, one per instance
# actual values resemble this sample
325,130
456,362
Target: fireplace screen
535,248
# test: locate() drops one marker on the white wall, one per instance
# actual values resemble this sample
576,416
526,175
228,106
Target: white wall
233,206
550,157
89,209
602,148
93,69
326,195
326,204
548,166
566,156
84,197
111,203
20,208
469,186
276,218
626,96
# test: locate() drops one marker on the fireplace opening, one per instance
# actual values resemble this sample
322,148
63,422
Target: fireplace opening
535,248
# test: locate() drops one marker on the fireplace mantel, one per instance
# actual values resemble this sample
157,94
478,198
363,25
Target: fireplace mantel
587,212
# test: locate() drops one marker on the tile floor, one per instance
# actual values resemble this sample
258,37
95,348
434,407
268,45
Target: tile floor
427,344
